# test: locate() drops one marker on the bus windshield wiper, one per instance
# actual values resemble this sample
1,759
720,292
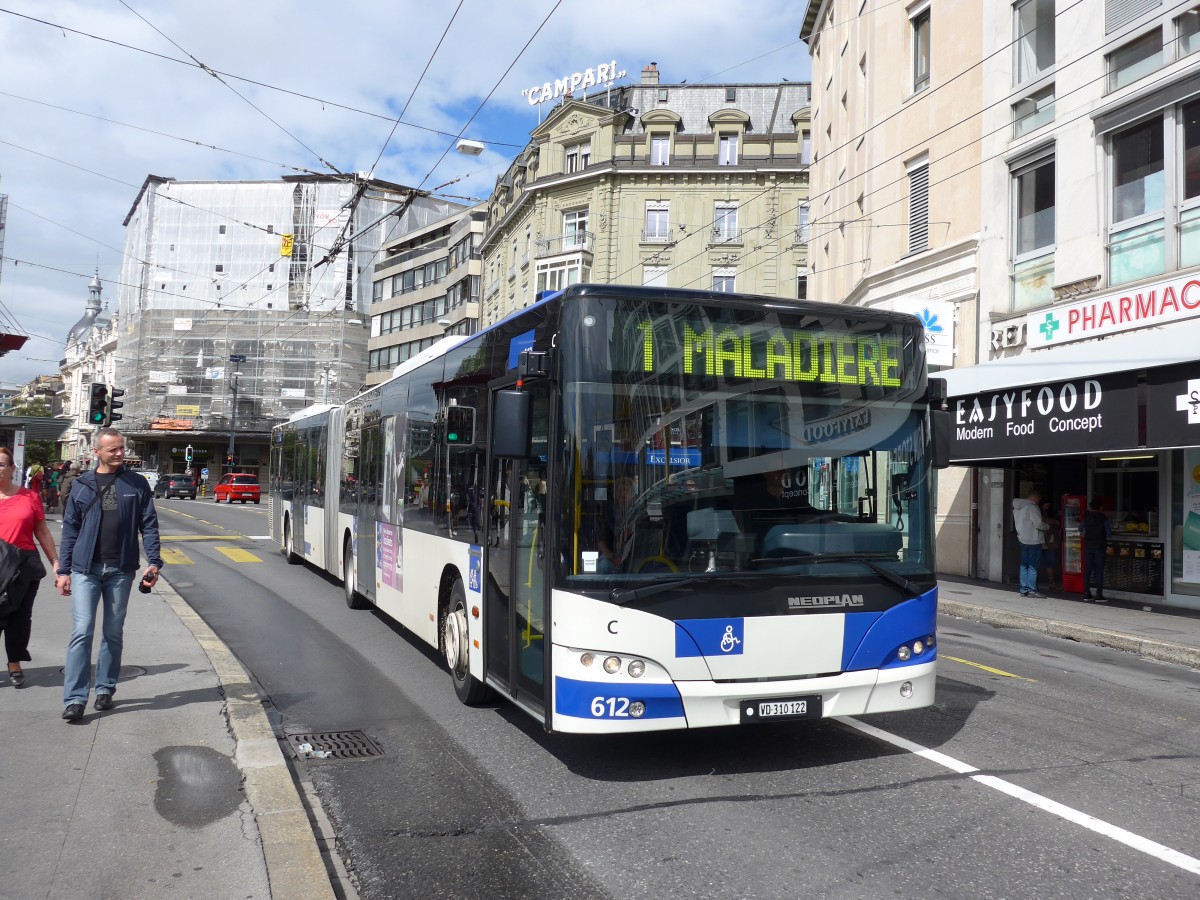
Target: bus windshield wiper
632,595
886,574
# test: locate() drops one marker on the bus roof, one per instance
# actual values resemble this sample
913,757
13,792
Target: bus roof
313,410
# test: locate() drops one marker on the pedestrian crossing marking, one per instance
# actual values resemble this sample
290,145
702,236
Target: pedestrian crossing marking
237,554
176,557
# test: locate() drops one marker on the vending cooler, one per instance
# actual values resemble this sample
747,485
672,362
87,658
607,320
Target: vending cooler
1073,507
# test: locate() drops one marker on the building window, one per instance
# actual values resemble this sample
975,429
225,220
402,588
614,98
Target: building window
806,147
1035,38
654,276
1033,234
271,267
802,229
728,150
660,150
270,229
579,156
1136,240
220,229
920,50
1137,58
918,207
658,214
724,278
1032,112
575,229
662,95
801,284
730,95
1122,12
725,223
220,268
1187,29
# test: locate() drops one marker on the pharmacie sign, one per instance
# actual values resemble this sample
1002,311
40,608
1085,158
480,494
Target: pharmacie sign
1078,416
1152,304
1173,406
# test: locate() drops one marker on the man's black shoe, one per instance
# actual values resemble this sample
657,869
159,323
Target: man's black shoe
1100,598
74,712
103,702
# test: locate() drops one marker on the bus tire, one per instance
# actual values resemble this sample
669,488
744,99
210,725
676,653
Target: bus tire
354,599
289,552
455,640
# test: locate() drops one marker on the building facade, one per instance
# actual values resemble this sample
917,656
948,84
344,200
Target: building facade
426,285
700,186
241,303
1076,369
90,355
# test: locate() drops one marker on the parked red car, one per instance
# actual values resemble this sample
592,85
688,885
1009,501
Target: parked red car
237,486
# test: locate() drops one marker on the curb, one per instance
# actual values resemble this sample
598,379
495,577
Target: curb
1161,651
295,869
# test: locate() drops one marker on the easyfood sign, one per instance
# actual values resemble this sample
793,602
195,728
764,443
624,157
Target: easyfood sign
1153,304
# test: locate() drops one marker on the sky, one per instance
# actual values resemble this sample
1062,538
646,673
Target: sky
97,94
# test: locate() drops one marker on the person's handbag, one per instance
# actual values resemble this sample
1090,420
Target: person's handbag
10,575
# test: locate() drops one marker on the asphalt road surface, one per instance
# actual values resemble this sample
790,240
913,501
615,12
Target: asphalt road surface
1046,768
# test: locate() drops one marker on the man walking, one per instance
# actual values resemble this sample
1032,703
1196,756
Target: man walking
1096,529
1027,516
107,509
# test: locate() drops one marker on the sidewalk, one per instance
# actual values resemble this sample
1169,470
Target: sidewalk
1172,636
181,789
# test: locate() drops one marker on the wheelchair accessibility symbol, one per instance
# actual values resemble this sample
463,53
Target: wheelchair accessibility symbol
728,641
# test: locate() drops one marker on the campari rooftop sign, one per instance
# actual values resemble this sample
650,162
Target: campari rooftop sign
602,75
1116,311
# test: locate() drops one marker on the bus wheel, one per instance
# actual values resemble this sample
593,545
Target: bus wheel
455,641
289,552
354,599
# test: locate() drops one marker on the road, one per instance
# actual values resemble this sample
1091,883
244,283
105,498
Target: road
1064,770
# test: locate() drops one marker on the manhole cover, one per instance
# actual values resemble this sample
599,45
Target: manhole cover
325,745
126,672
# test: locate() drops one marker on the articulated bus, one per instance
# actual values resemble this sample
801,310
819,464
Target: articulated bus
629,508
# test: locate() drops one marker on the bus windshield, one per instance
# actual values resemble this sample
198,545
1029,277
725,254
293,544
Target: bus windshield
730,444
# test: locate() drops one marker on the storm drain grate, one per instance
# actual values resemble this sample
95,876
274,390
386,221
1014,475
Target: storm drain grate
324,745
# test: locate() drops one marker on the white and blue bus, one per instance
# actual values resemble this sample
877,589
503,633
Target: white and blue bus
628,508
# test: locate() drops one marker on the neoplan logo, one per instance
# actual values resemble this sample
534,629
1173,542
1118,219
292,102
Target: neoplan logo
824,601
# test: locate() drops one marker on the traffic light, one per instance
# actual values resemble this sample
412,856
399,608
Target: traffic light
460,425
98,405
114,404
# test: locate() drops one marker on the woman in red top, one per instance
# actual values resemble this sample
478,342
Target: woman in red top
22,521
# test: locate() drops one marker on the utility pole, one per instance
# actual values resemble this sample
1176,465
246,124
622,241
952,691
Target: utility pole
237,361
325,394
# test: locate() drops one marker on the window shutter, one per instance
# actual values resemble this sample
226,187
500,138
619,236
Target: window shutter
1122,12
918,209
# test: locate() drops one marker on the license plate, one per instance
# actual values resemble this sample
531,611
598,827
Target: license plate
781,708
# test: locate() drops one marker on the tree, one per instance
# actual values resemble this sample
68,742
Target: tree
36,451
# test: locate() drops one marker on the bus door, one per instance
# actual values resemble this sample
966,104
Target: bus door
515,602
370,476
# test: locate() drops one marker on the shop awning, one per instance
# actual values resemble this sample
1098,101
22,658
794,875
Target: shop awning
1168,345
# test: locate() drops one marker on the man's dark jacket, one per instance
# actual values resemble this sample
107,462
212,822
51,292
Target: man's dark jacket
135,504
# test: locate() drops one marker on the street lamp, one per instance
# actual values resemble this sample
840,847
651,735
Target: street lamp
237,359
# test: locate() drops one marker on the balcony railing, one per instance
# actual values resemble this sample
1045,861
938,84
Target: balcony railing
566,243
660,235
725,236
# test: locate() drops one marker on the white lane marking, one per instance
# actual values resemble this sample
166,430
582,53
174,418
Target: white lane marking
1099,826
257,537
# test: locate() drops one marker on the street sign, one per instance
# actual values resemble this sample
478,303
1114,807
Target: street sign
204,472
237,357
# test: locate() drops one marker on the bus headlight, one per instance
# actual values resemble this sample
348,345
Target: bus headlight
612,665
636,669
587,659
903,653
918,648
906,690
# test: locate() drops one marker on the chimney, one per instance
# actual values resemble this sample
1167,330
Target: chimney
650,74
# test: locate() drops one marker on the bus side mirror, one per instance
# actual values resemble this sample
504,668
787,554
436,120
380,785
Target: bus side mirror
940,426
511,435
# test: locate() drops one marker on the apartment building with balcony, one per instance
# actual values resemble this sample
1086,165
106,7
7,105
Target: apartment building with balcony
678,185
426,285
1075,128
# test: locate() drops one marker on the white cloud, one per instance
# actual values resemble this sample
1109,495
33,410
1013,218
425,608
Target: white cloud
357,53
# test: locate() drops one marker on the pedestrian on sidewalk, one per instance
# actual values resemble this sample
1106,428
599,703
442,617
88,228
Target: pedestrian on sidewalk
64,484
1027,517
1096,530
22,522
1050,549
108,508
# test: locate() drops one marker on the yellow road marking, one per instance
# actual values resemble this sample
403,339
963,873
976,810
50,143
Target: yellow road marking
237,554
233,536
176,557
185,515
967,662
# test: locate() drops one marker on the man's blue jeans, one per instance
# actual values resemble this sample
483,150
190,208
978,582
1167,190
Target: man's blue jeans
108,585
1031,557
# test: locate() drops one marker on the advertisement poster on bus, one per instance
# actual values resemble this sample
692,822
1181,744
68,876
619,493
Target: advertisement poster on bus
389,555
